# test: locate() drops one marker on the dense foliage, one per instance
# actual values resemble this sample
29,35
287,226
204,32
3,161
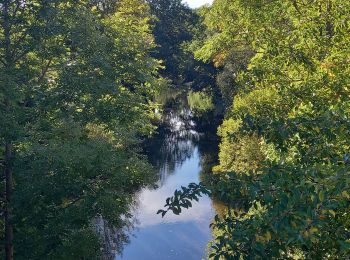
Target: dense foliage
78,80
284,152
178,30
175,26
76,84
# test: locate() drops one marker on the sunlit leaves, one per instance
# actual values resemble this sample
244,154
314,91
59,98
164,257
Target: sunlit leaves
286,136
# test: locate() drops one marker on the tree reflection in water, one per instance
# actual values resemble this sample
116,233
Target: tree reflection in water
174,143
180,155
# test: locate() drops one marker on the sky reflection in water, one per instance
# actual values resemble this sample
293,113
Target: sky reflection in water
173,237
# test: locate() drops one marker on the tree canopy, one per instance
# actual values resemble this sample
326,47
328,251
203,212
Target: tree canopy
284,166
77,84
78,87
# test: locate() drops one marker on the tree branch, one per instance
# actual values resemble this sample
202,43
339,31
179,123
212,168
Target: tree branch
44,71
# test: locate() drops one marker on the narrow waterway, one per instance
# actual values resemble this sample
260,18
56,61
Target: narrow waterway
181,155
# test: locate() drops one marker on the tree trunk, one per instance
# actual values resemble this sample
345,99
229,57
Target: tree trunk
329,24
8,220
8,144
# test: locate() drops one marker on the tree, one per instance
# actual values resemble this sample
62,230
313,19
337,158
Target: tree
174,27
75,100
284,143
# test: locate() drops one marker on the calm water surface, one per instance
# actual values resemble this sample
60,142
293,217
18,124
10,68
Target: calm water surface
180,154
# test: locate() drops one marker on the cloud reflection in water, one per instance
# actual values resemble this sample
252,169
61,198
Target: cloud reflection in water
175,153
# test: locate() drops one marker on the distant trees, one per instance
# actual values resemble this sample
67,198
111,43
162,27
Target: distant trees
76,84
175,26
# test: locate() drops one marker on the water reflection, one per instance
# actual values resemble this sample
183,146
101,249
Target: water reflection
151,200
180,154
174,144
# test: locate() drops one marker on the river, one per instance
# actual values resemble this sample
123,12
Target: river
181,156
